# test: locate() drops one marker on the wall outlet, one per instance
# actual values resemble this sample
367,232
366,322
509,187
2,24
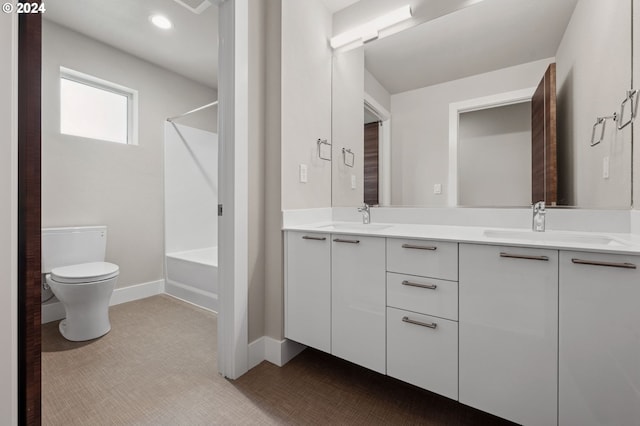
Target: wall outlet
605,168
353,182
304,177
437,188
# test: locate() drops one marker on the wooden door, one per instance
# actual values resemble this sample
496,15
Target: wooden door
371,161
544,151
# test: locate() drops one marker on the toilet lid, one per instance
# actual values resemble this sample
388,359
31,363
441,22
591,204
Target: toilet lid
84,272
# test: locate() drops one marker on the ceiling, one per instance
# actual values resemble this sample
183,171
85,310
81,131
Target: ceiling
190,48
336,5
487,36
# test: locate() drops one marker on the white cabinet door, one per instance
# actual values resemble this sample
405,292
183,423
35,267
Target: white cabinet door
509,332
308,289
599,339
358,300
423,350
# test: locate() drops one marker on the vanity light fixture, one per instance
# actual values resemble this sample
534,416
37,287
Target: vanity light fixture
369,30
161,21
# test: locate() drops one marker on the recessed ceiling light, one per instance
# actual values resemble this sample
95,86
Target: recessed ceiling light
161,21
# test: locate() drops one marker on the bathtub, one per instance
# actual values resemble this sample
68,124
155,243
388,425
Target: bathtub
193,276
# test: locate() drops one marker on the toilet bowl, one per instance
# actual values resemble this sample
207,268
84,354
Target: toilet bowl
74,268
85,291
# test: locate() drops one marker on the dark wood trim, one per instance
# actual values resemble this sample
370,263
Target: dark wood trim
544,149
29,222
371,163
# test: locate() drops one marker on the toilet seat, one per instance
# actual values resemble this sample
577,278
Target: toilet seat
85,273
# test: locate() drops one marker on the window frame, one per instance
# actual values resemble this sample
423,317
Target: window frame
97,83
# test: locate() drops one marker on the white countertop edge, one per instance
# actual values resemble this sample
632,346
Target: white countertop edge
629,243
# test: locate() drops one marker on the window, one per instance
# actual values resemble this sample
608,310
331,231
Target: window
97,109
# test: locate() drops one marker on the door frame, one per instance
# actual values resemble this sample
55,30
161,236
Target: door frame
233,175
384,148
476,104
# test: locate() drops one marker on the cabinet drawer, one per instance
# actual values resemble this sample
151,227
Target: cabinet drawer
423,356
434,259
427,296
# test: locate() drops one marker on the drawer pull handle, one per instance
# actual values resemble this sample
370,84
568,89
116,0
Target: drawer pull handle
624,265
412,284
340,240
432,325
416,247
524,256
307,237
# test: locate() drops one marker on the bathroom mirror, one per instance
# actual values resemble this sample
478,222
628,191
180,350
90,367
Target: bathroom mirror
441,114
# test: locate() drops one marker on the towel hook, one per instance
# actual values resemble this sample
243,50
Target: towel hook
601,121
348,157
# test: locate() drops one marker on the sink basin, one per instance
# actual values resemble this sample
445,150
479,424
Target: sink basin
552,236
354,227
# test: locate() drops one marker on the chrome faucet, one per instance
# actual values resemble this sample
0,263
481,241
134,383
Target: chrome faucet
539,213
366,213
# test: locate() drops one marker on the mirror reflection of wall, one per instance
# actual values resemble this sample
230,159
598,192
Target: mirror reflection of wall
491,48
493,144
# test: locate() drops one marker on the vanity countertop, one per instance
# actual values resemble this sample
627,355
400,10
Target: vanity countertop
566,240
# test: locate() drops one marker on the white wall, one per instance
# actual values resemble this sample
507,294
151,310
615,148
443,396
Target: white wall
306,102
273,249
257,166
191,188
494,156
593,74
636,126
420,129
348,127
8,224
374,89
121,186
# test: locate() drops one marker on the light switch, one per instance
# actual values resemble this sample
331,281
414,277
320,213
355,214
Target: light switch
303,173
605,168
437,188
353,181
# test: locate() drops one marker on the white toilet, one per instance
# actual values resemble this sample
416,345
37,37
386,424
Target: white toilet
73,261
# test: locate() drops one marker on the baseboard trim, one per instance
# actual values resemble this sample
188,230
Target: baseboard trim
195,296
54,310
278,352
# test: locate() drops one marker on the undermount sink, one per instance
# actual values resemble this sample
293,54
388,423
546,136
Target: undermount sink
552,236
354,227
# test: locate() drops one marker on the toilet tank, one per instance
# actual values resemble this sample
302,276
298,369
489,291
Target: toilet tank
71,246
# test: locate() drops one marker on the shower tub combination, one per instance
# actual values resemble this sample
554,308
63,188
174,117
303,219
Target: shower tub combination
193,276
191,215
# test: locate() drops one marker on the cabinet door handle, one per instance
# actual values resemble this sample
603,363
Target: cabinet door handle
624,265
307,237
432,325
416,247
340,240
523,256
412,284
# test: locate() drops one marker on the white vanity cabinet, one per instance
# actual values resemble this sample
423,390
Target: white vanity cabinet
358,300
308,289
508,325
599,381
422,314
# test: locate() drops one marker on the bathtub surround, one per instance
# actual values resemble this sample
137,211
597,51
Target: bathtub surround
191,219
193,277
88,182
